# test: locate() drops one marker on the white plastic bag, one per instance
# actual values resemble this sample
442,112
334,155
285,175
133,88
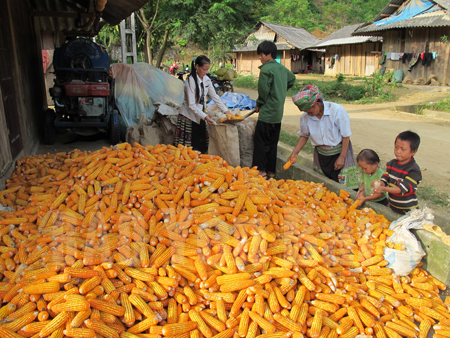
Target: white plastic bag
404,261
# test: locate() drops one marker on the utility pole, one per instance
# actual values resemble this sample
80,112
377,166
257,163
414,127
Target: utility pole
128,40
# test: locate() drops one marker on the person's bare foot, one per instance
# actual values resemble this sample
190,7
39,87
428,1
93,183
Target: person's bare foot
262,174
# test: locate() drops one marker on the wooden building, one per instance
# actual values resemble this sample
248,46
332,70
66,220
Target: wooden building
414,26
350,55
27,30
291,43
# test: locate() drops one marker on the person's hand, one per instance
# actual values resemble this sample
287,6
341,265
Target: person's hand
339,164
361,199
228,112
360,194
292,158
209,120
257,109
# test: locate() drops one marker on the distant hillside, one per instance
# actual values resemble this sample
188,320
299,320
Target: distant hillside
323,15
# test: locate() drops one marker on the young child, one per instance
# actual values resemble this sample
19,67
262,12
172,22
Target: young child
274,80
402,174
369,162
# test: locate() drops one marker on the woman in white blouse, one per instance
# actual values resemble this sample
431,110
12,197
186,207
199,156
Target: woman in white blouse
192,118
327,124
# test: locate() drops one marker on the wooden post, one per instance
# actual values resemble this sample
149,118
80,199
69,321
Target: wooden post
124,32
446,77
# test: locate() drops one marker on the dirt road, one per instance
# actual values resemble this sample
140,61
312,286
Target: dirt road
375,126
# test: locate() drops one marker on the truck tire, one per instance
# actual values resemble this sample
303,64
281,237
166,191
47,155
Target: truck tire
114,128
49,127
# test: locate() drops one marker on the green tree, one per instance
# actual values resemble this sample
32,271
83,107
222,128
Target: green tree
327,15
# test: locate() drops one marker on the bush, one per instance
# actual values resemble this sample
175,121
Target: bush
340,77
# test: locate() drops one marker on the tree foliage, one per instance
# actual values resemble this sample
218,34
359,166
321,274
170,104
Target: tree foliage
327,15
217,25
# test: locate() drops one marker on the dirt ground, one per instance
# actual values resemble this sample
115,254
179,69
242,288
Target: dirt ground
375,126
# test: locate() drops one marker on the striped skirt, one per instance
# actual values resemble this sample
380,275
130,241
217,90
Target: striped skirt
192,134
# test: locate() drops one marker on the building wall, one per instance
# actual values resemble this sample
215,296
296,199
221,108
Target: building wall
28,85
419,40
355,59
248,62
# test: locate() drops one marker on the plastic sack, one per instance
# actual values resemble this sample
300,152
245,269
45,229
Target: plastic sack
145,132
398,76
246,131
229,75
404,261
235,100
224,142
139,86
221,71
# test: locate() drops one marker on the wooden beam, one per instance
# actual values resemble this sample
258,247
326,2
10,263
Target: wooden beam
64,14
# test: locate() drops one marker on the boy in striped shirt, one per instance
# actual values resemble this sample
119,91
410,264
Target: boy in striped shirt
402,174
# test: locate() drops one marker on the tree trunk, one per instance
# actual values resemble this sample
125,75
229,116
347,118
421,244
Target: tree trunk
148,47
163,49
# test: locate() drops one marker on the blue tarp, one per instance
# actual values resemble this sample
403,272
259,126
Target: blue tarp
413,8
235,100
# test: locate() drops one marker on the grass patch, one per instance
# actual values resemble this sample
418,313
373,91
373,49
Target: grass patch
431,195
291,140
442,105
335,91
249,82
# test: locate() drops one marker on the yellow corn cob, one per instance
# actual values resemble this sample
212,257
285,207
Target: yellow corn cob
201,325
346,324
101,328
178,328
329,307
80,318
54,324
59,200
286,322
431,313
351,333
107,307
262,323
316,325
402,330
244,323
21,322
42,288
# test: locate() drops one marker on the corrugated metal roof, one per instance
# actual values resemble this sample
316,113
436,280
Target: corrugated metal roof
434,19
297,37
344,32
389,10
349,41
253,47
344,37
55,15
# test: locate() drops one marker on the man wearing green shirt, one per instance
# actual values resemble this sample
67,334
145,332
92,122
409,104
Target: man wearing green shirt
274,80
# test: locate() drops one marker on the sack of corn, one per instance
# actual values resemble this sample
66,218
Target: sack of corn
221,71
145,131
229,75
246,130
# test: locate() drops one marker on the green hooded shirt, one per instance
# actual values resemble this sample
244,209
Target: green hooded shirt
274,80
